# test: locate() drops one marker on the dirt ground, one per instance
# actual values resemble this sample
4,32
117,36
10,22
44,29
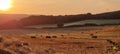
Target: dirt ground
80,40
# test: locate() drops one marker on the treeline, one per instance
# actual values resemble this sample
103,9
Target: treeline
43,19
59,20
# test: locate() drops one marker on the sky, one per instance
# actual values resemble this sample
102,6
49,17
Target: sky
62,7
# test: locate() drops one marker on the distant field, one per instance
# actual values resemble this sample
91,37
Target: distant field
78,40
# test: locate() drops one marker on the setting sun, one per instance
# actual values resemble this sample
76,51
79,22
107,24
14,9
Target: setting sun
5,4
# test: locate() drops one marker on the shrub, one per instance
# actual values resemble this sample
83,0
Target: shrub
4,52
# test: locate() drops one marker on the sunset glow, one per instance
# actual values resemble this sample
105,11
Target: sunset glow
58,7
5,4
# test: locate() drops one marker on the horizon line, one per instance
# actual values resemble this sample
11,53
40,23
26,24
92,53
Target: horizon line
56,14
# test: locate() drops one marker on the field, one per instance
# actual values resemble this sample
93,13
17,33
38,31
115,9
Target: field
80,40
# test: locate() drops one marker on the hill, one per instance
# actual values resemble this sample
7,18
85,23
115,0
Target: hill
21,20
43,19
8,17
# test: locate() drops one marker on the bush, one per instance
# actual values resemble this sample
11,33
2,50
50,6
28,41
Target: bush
4,52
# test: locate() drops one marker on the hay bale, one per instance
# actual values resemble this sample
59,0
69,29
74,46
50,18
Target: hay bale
54,36
33,36
94,37
48,36
91,34
1,39
26,44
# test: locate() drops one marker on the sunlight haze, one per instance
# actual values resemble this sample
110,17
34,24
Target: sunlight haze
62,7
5,4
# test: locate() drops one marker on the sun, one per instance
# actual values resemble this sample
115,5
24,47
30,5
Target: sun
5,4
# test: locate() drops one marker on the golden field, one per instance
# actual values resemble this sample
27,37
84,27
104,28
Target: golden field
77,40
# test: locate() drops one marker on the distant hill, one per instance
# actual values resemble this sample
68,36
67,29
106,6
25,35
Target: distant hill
8,21
108,15
42,19
13,24
8,17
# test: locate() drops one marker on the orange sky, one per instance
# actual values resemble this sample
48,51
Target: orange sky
62,7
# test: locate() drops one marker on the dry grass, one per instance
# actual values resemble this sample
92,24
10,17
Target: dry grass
61,41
